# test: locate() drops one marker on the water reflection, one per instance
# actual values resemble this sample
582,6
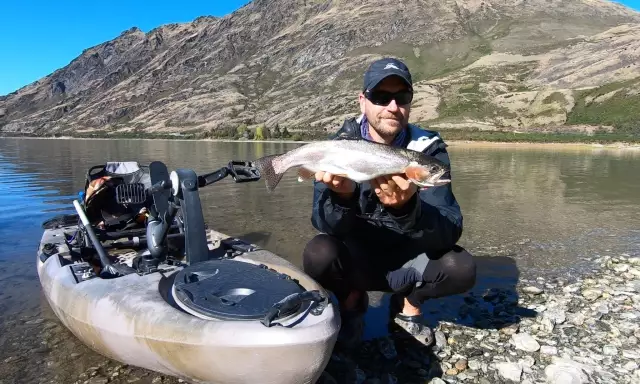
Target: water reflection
532,200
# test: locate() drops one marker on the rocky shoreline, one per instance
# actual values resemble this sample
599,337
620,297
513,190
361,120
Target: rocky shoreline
583,331
565,330
632,145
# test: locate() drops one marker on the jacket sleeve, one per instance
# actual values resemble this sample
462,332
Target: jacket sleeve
433,215
331,214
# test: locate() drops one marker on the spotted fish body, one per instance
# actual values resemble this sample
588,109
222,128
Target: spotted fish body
358,160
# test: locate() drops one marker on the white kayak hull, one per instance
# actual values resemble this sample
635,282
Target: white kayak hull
128,320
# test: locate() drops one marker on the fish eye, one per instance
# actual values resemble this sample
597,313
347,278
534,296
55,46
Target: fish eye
434,168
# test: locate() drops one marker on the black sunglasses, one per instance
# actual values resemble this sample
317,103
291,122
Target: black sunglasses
378,97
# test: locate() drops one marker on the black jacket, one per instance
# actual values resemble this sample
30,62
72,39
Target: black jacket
432,217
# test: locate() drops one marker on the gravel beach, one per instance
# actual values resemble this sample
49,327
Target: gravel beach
586,331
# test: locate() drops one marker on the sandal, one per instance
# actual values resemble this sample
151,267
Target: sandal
412,326
408,326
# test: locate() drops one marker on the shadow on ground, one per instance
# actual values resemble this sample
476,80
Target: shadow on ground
491,304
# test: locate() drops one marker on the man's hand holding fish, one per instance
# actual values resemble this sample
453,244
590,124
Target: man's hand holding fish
393,190
338,184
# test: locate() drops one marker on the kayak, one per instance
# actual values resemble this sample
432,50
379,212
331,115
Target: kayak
239,314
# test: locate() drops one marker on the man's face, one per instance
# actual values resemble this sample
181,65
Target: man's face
386,120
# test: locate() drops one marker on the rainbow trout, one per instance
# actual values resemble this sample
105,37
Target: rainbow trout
358,160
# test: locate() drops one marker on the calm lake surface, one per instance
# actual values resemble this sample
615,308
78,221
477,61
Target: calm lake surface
527,213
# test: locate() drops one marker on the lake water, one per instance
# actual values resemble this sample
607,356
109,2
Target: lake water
528,212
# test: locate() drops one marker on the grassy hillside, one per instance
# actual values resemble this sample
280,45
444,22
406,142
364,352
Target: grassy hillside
616,104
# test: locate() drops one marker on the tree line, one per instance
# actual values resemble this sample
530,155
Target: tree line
261,132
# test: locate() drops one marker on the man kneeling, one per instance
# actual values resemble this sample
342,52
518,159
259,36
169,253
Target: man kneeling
386,235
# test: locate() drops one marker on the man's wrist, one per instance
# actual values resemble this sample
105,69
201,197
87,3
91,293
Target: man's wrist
345,198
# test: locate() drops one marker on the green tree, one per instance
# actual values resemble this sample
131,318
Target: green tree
285,133
230,132
259,132
276,131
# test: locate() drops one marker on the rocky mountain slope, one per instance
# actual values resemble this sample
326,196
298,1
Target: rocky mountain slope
536,64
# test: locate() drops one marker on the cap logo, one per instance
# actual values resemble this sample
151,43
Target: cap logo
391,66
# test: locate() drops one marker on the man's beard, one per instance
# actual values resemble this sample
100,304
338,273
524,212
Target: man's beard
385,130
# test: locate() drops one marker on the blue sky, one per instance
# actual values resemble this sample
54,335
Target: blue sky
37,36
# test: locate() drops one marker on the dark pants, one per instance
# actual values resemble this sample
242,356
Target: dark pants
350,265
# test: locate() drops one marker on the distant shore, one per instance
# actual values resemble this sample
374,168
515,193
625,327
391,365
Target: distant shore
558,145
477,143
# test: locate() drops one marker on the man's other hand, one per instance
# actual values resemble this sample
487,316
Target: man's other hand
339,184
393,190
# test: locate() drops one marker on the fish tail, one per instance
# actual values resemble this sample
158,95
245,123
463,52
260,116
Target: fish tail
269,170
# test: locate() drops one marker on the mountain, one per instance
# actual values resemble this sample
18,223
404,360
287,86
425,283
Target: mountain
489,64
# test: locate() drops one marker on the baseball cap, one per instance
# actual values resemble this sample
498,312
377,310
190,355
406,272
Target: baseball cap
383,68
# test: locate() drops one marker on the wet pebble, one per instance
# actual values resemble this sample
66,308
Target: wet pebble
525,342
451,372
532,290
592,294
11,359
510,329
40,350
441,340
461,365
509,371
527,361
567,371
609,350
474,364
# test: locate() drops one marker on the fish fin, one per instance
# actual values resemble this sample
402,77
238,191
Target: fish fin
415,173
305,174
268,171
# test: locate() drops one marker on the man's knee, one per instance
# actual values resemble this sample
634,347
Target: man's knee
319,254
459,265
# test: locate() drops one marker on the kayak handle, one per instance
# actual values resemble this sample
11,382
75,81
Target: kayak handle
240,171
289,303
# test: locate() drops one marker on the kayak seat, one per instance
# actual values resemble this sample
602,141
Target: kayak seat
115,195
